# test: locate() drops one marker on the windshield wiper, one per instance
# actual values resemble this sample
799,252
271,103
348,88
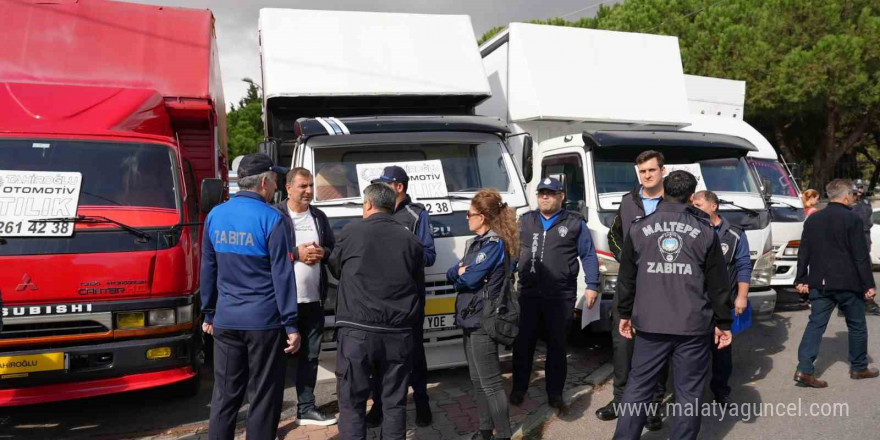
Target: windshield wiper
142,236
750,211
794,208
458,197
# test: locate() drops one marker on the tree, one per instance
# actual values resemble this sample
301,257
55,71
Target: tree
244,125
811,66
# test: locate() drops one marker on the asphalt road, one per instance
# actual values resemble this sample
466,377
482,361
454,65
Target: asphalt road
765,358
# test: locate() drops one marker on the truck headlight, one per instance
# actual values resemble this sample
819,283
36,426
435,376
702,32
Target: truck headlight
159,317
791,250
608,269
185,314
129,320
763,271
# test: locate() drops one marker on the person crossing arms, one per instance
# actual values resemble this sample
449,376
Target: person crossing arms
249,302
313,241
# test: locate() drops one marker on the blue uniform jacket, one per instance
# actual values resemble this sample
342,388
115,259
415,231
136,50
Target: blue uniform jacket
247,276
484,256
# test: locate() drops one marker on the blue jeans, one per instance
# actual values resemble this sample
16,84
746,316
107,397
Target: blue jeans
822,303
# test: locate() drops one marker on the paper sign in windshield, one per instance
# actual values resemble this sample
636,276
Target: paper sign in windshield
426,178
33,195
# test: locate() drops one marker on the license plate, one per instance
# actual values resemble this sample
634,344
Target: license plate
434,322
33,363
437,206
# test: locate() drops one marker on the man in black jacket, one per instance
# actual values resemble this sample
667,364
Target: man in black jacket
313,238
381,270
642,201
674,293
416,219
834,268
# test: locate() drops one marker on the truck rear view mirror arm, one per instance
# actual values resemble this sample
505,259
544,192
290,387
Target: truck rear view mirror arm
212,194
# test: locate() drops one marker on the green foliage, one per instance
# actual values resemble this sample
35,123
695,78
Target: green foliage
244,124
811,66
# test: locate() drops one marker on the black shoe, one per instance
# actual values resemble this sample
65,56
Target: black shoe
483,434
875,310
607,412
315,417
423,415
517,397
654,423
722,400
556,402
374,417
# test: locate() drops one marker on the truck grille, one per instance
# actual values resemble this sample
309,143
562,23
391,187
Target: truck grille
438,288
44,326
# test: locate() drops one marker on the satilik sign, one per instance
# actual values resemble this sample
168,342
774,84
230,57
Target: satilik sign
35,195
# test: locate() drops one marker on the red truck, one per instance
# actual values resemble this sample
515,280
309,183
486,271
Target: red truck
112,151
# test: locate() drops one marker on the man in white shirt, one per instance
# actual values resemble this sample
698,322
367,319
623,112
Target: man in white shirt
314,240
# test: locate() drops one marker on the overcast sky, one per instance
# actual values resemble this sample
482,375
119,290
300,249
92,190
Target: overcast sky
236,22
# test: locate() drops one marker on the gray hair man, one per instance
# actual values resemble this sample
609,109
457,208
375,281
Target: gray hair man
381,270
834,268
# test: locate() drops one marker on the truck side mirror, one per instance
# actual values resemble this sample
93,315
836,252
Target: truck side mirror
270,147
584,209
212,194
528,157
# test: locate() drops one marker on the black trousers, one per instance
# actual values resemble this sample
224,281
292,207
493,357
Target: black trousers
690,366
311,328
360,355
622,355
252,361
553,316
418,377
722,368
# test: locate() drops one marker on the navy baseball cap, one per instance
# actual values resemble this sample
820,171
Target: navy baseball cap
391,174
550,184
258,163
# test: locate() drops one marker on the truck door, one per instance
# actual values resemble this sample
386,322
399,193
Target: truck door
570,164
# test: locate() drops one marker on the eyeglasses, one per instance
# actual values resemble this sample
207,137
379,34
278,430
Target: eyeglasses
471,214
548,193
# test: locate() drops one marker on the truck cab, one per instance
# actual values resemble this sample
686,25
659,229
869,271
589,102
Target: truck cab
110,158
401,90
590,116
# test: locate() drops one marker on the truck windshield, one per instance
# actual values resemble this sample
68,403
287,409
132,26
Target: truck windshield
781,183
719,175
467,167
113,174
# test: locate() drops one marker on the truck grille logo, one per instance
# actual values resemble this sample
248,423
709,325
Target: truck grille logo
26,284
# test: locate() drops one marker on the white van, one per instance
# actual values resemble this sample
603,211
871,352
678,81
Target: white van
346,93
591,105
721,104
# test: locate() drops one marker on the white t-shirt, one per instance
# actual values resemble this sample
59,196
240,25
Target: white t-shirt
308,278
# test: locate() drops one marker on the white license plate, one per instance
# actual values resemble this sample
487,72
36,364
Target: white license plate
435,322
437,206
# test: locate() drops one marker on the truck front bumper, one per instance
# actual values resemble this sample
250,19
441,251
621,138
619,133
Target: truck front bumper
94,370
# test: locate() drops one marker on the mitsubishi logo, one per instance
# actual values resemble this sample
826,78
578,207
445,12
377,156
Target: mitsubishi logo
26,284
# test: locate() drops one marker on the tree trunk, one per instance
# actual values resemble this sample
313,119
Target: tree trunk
830,151
787,153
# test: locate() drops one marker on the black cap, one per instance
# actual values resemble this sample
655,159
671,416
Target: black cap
391,174
550,184
258,163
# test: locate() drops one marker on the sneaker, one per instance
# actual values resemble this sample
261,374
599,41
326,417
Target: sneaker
517,397
423,415
374,417
315,417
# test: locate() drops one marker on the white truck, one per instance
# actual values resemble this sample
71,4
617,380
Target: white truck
722,103
591,104
346,93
